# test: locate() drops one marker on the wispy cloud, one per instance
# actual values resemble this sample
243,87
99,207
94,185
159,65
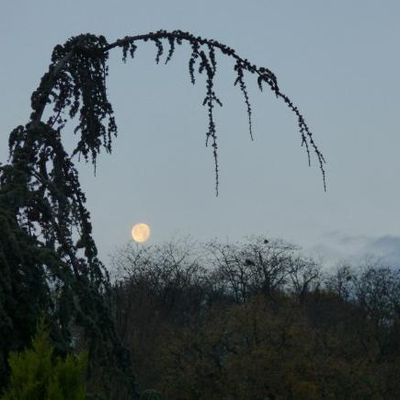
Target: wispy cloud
388,247
336,247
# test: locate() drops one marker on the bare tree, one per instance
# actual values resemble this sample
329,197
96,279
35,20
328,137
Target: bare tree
304,277
256,266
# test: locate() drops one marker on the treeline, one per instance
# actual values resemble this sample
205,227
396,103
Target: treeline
257,320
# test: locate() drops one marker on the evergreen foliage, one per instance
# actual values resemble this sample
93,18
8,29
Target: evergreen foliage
48,258
37,375
150,394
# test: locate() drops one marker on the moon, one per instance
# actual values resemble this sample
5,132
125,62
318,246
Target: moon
140,232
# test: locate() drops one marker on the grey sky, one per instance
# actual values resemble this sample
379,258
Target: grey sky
339,61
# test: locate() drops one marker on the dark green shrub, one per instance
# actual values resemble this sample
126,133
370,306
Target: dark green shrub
37,375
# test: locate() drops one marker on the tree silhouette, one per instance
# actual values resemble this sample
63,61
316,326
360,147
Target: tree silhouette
48,258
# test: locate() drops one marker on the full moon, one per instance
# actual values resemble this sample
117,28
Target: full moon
140,233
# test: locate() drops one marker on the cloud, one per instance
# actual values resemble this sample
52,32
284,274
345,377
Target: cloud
336,247
387,247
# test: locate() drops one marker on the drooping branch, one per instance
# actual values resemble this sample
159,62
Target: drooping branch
76,80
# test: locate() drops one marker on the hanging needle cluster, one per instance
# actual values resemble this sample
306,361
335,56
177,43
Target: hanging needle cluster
76,82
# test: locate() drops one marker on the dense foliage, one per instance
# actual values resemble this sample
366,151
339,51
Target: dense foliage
257,320
48,258
37,375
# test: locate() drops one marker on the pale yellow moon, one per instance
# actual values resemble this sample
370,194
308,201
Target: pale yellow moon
140,232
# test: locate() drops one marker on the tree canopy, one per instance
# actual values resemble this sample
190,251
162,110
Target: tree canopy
256,319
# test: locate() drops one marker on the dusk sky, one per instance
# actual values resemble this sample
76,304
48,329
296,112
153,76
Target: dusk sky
338,61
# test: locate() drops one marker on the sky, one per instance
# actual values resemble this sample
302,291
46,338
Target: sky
338,61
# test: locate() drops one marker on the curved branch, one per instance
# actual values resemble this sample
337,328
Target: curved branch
86,48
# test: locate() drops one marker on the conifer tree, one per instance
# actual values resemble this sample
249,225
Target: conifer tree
37,375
